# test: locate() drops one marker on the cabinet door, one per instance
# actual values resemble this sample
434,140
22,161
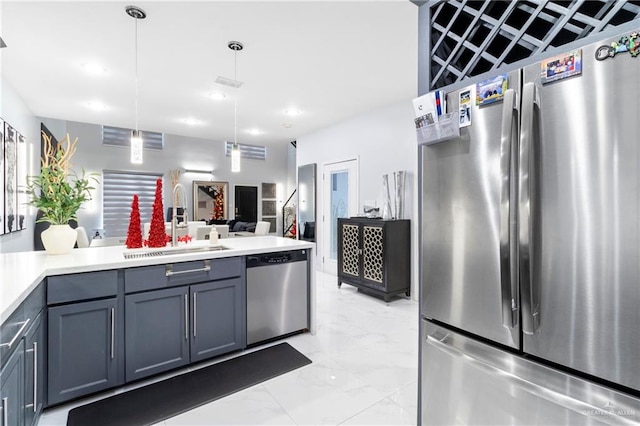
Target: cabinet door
34,371
82,349
373,254
12,388
349,249
157,331
218,318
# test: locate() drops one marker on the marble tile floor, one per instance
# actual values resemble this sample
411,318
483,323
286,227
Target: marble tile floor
364,371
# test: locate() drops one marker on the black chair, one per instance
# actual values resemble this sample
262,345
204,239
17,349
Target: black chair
179,213
309,232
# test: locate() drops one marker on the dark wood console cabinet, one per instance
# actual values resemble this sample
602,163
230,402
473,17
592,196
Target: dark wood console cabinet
374,255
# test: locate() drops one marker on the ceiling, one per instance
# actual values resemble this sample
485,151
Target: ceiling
327,60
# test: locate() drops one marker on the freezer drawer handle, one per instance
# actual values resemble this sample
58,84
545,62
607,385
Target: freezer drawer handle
170,272
508,165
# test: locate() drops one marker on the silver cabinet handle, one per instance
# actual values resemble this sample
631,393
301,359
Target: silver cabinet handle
195,312
169,269
5,409
186,317
17,336
508,164
113,332
35,376
530,306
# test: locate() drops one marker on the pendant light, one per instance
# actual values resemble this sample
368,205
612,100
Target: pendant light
236,46
136,137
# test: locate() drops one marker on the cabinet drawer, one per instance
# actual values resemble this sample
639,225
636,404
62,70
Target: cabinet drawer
74,287
154,277
12,330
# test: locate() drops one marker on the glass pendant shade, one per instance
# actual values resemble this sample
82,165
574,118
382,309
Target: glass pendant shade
235,158
136,147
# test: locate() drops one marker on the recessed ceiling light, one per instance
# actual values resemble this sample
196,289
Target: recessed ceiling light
292,112
191,121
254,132
217,96
94,68
97,106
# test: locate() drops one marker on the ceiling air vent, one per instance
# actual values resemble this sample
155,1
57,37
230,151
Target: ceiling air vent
228,82
257,152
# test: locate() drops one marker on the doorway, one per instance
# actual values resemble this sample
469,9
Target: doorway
246,201
340,199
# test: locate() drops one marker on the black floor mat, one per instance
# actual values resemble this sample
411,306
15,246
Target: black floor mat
159,401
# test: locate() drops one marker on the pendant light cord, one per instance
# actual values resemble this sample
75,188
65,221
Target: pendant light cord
136,79
235,99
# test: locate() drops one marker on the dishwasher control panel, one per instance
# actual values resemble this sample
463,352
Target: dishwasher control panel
276,258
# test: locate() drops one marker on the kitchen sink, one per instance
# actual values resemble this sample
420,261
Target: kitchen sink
168,251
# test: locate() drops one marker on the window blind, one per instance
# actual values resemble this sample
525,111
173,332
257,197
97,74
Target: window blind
256,152
118,188
117,136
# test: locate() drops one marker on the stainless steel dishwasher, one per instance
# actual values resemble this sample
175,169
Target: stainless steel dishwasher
277,295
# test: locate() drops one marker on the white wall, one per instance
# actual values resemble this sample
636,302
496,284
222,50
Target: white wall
384,141
179,152
16,112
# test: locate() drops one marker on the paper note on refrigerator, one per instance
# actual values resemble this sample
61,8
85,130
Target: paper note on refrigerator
464,106
425,108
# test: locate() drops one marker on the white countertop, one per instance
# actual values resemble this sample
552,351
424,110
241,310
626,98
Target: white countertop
20,273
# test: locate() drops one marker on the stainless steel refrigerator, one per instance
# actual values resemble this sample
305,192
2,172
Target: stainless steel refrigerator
530,253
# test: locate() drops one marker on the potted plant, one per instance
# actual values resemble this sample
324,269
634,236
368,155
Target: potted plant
58,192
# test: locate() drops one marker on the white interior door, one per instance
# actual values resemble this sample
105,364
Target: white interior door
340,199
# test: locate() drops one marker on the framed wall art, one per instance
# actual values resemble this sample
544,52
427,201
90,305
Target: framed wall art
210,200
11,178
21,173
2,185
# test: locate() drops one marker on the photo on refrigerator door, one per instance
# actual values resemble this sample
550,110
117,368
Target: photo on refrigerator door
561,66
491,90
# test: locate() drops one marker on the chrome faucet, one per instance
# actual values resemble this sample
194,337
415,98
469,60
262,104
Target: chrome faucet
174,216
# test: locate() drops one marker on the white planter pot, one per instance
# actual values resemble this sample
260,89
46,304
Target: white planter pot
59,239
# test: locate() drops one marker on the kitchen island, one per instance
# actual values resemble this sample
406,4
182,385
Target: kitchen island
98,318
21,272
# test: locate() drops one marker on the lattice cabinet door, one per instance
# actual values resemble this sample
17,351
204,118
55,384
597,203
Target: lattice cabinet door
350,249
373,253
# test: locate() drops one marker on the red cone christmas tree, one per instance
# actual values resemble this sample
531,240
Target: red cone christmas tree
134,233
157,234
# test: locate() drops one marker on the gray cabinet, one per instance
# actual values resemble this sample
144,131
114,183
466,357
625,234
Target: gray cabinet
35,346
83,349
19,335
218,318
12,388
173,327
157,331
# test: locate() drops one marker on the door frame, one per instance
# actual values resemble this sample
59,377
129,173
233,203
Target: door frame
352,165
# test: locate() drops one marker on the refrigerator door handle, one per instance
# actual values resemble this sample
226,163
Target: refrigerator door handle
526,191
508,247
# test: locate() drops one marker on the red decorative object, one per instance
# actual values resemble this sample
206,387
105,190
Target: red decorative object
294,229
157,235
185,239
218,203
134,233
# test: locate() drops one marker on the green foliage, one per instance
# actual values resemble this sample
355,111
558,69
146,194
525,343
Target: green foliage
57,191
